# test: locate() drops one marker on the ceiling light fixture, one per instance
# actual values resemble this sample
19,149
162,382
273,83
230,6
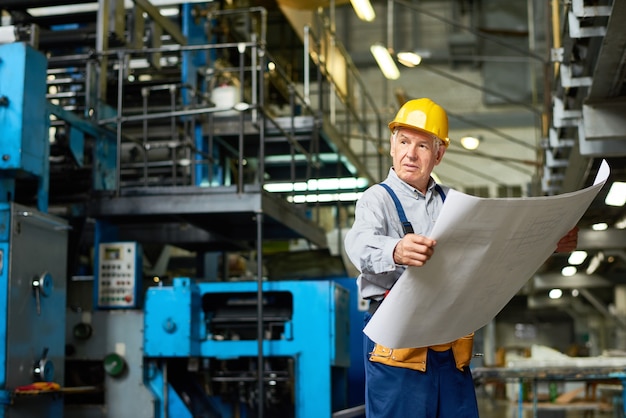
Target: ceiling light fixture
325,197
595,262
385,61
569,271
576,258
363,9
409,59
343,183
555,294
602,226
617,194
470,142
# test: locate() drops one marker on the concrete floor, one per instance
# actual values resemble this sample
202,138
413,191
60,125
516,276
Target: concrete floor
490,408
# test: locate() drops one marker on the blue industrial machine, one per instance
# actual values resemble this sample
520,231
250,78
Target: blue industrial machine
24,121
202,349
33,244
193,349
33,251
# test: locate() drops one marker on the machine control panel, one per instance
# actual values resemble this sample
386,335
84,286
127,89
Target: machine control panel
119,275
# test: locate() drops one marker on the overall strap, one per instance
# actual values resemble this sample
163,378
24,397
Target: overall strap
441,192
406,225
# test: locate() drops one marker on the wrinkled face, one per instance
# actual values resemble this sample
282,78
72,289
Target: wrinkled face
415,154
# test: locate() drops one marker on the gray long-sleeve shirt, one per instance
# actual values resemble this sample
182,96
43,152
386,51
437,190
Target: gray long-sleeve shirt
377,229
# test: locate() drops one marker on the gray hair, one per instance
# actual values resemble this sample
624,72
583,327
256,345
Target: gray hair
436,141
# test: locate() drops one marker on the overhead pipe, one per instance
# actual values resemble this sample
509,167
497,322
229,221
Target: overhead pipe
258,9
49,39
601,308
473,31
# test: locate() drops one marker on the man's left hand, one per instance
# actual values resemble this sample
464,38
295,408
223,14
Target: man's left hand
569,242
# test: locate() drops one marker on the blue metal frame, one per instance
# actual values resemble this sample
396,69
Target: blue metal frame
5,226
105,150
4,280
317,336
194,30
154,380
24,119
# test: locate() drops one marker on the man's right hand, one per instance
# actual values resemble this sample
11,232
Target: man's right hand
414,250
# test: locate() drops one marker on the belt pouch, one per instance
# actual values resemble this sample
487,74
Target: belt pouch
463,350
408,358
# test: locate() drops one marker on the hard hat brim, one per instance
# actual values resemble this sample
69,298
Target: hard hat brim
393,125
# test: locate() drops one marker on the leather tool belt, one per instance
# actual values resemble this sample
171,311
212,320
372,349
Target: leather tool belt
415,358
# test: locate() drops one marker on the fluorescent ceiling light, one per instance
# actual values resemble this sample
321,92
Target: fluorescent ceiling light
62,10
568,271
346,183
385,61
93,7
555,294
617,194
326,197
602,226
594,263
470,142
363,9
409,59
576,258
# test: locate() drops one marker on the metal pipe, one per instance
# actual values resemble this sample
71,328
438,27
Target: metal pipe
481,88
241,158
254,78
469,29
144,135
165,391
356,411
259,250
390,25
75,37
173,132
261,127
601,308
260,337
161,115
259,9
118,153
307,70
495,131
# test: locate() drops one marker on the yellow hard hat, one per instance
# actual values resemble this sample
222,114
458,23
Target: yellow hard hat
423,115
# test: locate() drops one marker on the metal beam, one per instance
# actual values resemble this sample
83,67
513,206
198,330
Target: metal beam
608,73
166,24
598,148
577,281
599,305
601,240
605,121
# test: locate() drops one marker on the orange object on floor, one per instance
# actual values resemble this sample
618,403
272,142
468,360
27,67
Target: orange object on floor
38,387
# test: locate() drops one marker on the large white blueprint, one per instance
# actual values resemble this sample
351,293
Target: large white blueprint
487,249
